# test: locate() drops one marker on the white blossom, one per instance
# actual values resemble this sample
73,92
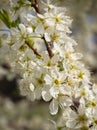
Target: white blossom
41,51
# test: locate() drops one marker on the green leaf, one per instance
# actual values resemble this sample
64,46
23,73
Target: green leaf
6,19
21,3
15,23
60,65
4,16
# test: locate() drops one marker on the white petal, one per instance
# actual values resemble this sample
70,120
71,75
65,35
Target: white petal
39,29
46,96
65,101
22,28
60,27
54,91
40,16
71,123
47,37
53,107
17,45
30,17
29,30
76,56
50,22
48,79
31,87
38,44
62,90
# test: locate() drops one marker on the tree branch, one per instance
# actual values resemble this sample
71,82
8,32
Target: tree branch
36,6
48,46
34,50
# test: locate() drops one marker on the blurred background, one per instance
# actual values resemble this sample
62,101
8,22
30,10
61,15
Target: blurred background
17,112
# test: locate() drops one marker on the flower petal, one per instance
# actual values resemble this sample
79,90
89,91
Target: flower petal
53,107
46,96
31,86
54,92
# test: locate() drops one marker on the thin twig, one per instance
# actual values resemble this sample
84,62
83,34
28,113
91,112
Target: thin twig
36,6
48,46
34,50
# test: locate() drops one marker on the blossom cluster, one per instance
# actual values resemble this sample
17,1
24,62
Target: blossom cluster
42,52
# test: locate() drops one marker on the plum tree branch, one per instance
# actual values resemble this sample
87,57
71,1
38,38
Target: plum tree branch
47,44
34,50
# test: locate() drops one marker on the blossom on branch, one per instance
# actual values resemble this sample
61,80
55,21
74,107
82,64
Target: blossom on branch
50,69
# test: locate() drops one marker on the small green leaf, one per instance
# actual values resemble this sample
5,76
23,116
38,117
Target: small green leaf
5,17
60,65
23,48
15,23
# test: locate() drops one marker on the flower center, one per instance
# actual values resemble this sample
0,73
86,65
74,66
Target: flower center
56,82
